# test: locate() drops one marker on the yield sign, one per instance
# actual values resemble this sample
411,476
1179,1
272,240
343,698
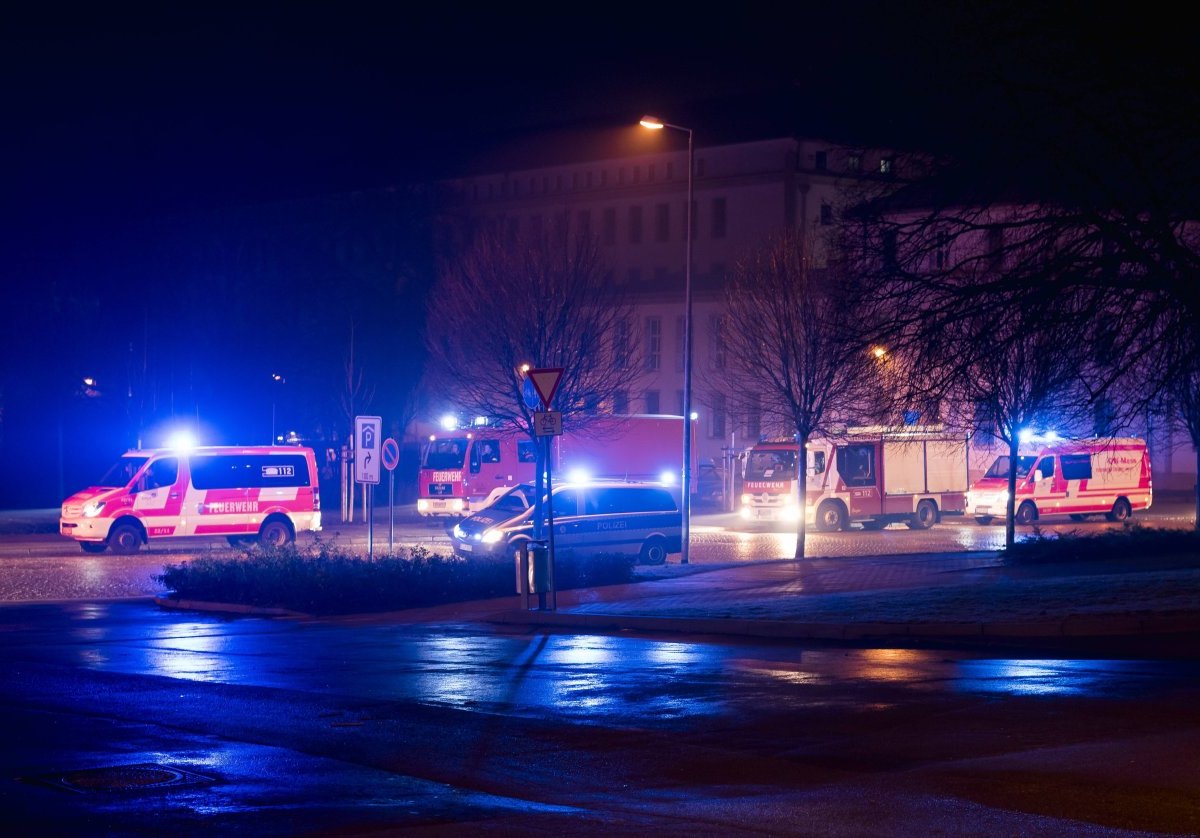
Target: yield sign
546,382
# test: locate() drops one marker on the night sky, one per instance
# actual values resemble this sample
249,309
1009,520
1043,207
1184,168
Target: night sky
125,114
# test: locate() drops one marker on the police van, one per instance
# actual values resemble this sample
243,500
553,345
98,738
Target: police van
587,518
265,494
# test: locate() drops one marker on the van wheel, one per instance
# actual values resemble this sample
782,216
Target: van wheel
125,539
983,520
1026,514
831,516
654,551
925,516
1120,511
92,546
275,534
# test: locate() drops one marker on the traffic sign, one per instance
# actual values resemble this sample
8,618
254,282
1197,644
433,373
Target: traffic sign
530,394
367,430
548,423
545,381
390,454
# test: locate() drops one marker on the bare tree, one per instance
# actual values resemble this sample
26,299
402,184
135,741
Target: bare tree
532,301
796,346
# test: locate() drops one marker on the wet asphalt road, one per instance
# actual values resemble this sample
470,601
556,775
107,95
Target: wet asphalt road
283,727
45,567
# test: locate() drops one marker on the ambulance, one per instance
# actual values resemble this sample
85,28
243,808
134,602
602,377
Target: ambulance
1076,478
265,494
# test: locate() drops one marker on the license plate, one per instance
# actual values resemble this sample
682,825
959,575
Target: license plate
466,548
982,510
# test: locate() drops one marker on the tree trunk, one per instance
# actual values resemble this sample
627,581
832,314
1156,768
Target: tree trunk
1196,487
1010,505
802,487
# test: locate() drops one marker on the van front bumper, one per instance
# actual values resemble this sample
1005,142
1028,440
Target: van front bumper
85,529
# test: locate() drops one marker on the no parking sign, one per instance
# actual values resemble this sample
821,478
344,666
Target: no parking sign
391,454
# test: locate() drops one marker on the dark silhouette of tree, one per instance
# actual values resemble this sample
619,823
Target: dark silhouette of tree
533,301
797,347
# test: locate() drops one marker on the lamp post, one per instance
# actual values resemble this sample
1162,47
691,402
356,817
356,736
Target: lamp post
656,124
276,377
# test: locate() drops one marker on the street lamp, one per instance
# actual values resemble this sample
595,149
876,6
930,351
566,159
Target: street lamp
656,124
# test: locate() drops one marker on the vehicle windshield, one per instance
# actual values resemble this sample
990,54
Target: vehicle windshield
122,471
1000,467
446,453
771,465
515,500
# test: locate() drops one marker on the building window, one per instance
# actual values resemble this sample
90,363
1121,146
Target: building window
680,329
650,173
716,341
635,225
558,183
718,416
983,425
718,218
583,223
662,222
826,214
670,171
535,225
652,402
653,343
854,162
588,180
621,343
700,167
1105,417
574,180
620,402
511,231
660,275
679,397
634,275
822,160
995,247
603,177
753,420
637,174
610,225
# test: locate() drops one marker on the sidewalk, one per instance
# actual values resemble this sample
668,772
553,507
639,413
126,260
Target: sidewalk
1132,606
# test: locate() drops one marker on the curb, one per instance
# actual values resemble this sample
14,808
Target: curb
1069,628
225,607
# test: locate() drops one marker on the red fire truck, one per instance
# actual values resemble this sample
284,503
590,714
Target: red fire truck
874,476
462,471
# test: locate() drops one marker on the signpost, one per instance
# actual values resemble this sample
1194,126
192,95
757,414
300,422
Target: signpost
391,458
546,424
367,439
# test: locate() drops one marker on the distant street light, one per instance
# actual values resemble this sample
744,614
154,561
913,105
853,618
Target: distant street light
656,124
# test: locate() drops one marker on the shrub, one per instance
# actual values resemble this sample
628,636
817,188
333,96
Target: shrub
1132,541
325,580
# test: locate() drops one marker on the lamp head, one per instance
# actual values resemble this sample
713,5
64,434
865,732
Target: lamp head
652,122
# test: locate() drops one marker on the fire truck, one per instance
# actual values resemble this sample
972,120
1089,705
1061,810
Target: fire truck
463,471
873,476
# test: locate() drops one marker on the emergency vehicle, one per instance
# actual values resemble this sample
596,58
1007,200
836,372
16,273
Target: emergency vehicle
266,493
462,472
1078,478
871,476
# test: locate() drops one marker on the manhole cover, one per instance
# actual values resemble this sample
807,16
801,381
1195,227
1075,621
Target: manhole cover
147,775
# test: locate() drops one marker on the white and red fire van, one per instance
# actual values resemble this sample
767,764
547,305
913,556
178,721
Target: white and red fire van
266,493
1070,477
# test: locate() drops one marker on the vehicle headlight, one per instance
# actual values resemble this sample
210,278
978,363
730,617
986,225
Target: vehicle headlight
1002,497
92,508
459,532
456,505
422,505
491,536
746,499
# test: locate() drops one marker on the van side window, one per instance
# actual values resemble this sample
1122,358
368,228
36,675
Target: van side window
249,471
566,502
622,500
526,453
1076,467
489,451
160,474
1046,467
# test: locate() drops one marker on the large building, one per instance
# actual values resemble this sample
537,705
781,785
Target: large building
635,207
